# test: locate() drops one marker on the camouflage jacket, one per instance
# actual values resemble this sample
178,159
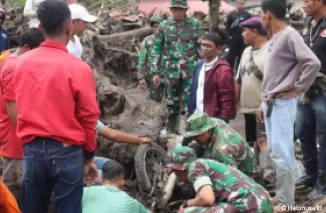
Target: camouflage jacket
145,57
177,44
229,185
227,146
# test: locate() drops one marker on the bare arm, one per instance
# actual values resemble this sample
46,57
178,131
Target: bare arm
238,86
11,110
205,197
237,92
121,137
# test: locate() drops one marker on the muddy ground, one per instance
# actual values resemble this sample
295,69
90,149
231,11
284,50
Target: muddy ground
124,106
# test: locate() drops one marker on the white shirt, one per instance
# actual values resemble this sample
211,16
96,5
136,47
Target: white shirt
200,87
31,5
75,48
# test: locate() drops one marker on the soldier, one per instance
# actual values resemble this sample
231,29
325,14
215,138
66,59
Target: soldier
218,141
177,44
144,74
219,188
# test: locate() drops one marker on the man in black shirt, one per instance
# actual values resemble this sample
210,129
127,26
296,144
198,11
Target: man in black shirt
311,114
236,44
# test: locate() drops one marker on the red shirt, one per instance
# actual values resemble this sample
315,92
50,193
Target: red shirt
10,146
55,97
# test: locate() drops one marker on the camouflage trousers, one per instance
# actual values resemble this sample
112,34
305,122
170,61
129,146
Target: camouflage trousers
178,90
220,208
155,94
252,203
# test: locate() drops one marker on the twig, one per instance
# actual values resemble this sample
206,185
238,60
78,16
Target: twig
125,51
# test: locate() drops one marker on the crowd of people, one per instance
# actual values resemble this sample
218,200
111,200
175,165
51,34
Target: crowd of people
49,115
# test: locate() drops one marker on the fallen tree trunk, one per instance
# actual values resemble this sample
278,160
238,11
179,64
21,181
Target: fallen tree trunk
140,33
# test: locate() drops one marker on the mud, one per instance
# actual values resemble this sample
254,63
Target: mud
123,105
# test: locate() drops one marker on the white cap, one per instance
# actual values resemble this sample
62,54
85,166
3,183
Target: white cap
80,12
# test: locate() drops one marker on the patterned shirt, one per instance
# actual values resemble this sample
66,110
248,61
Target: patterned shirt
227,146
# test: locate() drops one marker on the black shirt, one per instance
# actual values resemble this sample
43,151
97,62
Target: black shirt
233,23
315,38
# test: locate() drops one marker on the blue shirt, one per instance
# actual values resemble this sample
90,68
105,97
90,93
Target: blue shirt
4,40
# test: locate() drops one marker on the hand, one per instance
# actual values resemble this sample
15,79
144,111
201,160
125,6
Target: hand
287,95
145,140
156,80
143,84
90,172
262,144
260,114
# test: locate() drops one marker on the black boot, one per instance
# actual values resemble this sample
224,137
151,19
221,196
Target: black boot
307,180
320,188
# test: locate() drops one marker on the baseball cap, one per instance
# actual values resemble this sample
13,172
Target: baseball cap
254,23
80,12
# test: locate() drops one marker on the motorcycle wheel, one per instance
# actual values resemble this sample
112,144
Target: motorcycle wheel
150,166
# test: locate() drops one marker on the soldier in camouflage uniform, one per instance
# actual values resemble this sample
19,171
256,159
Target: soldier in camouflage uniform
145,60
218,141
219,188
177,44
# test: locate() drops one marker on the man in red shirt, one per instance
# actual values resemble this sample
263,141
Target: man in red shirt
56,117
10,148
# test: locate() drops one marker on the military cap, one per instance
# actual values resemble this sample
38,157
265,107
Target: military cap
156,18
199,123
180,157
179,4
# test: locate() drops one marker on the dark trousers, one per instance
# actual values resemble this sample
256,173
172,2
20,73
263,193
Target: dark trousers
251,129
310,127
49,166
235,51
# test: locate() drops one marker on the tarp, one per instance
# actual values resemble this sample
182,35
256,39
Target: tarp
194,6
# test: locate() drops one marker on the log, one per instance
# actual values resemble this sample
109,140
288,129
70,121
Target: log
140,33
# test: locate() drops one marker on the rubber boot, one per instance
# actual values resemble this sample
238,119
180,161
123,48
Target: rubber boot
180,125
171,124
320,188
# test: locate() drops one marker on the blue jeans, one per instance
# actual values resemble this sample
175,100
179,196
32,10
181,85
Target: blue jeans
49,166
100,161
310,127
279,131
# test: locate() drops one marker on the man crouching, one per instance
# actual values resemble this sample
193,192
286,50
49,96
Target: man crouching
219,188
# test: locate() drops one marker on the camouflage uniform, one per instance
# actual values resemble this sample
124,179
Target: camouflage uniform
145,60
226,145
178,45
234,191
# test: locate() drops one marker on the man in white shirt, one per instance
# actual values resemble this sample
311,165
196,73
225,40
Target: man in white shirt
80,17
30,11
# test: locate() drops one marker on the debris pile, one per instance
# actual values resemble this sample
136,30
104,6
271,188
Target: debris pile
15,24
111,48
